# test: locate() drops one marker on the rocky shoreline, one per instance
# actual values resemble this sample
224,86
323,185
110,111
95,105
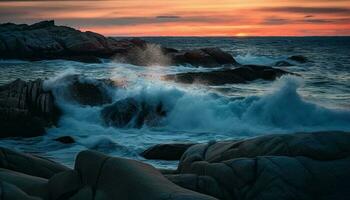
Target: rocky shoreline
286,166
44,40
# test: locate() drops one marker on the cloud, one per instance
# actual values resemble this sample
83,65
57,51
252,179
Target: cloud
308,20
168,17
308,10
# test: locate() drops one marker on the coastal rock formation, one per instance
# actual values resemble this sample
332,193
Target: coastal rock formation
166,151
95,176
295,166
44,40
229,76
132,113
26,109
279,166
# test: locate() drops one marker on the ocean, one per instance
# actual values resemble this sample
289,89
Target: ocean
317,100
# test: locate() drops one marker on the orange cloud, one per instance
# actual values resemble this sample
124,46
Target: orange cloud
188,17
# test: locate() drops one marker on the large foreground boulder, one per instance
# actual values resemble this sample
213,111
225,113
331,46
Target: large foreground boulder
295,166
228,76
26,109
29,164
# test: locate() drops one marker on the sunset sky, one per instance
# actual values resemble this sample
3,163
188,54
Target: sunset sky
188,17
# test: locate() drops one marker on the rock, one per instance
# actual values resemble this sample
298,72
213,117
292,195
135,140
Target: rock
31,185
26,109
65,140
11,192
298,58
42,24
89,93
132,113
28,164
289,166
229,76
118,178
166,151
206,57
44,40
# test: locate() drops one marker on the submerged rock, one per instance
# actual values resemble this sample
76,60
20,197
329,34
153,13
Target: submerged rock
166,151
132,113
299,58
26,109
282,64
65,140
229,76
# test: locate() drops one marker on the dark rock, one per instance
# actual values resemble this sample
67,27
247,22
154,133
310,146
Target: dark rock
42,24
65,140
132,113
207,57
31,185
280,166
28,164
298,58
90,93
44,40
26,109
166,151
229,76
115,178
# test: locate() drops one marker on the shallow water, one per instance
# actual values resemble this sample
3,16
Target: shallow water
318,100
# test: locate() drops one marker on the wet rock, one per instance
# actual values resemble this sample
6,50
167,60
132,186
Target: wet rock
31,185
166,151
26,109
90,93
299,58
132,113
274,166
29,164
114,178
206,57
65,140
229,76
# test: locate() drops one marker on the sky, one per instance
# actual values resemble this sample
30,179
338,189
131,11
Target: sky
188,17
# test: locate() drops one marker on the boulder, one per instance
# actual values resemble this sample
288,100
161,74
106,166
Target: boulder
206,57
228,76
287,166
31,185
166,151
89,93
132,112
118,178
29,164
26,109
11,192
